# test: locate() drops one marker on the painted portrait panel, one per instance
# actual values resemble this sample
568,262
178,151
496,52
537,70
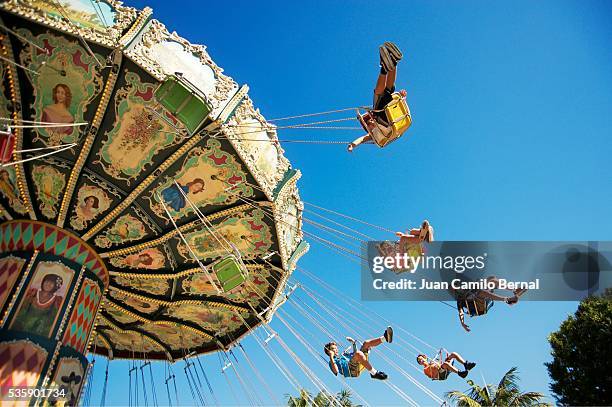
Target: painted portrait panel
125,229
69,377
138,304
132,341
151,286
214,319
208,176
50,184
10,269
120,316
91,202
70,79
253,291
138,133
250,234
9,190
44,297
175,337
151,258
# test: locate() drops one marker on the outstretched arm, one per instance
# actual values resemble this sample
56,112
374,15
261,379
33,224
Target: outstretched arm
332,364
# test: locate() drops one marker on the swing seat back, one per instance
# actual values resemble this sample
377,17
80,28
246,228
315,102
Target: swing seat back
7,146
398,115
478,307
184,101
230,272
381,135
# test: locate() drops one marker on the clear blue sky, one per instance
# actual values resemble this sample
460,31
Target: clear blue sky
512,109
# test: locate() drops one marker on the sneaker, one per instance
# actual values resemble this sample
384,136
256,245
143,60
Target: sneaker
463,374
386,62
388,334
469,365
349,339
379,376
394,51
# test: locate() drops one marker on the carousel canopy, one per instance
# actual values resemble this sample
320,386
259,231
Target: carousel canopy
159,132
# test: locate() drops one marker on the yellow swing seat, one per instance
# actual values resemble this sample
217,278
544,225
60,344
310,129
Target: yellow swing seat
398,117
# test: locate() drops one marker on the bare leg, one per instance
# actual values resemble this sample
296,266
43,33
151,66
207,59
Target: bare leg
361,358
390,82
517,294
449,367
491,296
370,343
381,83
363,139
456,356
520,291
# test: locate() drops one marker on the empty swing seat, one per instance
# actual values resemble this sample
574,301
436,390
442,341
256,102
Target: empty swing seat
231,273
398,116
183,100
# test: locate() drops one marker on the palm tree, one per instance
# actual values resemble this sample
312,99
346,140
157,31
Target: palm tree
304,400
506,393
344,398
322,399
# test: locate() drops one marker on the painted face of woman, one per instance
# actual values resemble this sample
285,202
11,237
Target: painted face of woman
60,95
48,286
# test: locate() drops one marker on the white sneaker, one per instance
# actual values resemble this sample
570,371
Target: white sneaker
351,340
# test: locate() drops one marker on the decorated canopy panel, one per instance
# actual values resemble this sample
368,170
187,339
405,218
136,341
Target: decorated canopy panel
159,201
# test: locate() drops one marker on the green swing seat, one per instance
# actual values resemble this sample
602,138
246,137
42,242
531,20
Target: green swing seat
230,272
186,102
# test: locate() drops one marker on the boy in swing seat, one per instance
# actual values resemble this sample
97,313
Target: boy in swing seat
476,302
390,55
438,370
349,363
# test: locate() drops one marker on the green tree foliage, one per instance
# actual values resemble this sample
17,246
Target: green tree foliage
581,369
505,393
323,399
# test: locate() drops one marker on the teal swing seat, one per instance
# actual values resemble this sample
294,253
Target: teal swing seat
184,101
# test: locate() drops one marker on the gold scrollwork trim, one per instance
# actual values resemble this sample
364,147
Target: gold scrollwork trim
56,351
22,182
88,143
107,37
75,290
141,20
102,339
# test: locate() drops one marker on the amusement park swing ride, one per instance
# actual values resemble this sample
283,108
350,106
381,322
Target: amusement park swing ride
148,210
